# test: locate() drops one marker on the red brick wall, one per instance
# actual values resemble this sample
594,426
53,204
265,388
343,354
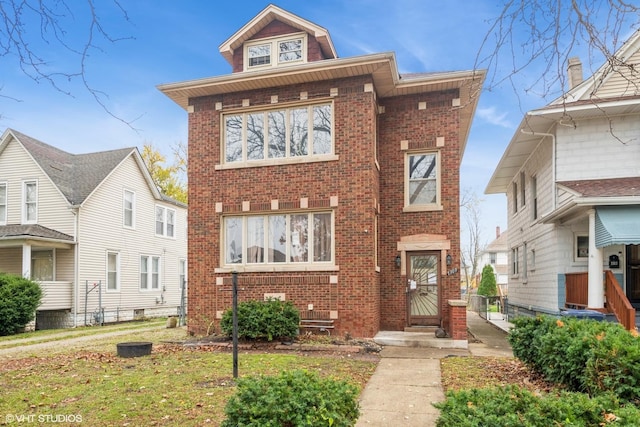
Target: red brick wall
274,29
353,178
402,120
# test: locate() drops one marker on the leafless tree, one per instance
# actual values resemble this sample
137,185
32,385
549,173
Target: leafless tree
529,44
470,250
32,32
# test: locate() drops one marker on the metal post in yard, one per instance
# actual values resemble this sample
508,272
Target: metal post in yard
234,276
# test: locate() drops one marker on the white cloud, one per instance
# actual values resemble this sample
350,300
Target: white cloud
492,116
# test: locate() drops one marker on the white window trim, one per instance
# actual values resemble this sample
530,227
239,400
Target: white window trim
267,161
310,265
6,202
437,206
133,209
275,51
515,261
149,262
577,258
24,201
118,272
165,209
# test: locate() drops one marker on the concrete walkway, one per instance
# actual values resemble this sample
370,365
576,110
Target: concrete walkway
407,380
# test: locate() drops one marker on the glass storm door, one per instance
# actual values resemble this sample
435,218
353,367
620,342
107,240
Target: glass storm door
424,288
633,275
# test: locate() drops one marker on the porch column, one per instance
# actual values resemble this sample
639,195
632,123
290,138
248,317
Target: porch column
596,288
26,260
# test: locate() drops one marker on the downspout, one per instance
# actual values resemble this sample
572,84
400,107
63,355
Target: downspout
553,163
76,276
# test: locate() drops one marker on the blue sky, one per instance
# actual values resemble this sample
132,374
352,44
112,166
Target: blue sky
167,41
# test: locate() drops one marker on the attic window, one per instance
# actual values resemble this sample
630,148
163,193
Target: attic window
276,51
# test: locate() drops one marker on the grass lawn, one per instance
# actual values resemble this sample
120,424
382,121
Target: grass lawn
172,386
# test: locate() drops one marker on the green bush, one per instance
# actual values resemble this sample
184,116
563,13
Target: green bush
582,354
294,398
488,286
258,320
19,299
512,406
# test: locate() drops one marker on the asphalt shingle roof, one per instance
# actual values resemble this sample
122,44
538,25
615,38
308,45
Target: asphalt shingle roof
32,230
612,187
76,175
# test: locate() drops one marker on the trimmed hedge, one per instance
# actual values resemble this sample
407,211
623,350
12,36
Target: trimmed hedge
583,354
19,299
294,398
512,406
263,320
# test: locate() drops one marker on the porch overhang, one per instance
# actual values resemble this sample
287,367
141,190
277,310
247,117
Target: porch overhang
34,235
617,225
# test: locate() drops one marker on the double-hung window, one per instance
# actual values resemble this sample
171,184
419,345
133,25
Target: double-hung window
149,273
422,183
285,133
113,271
3,203
296,238
165,221
128,209
30,202
277,51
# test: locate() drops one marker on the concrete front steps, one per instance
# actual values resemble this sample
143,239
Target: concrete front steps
418,336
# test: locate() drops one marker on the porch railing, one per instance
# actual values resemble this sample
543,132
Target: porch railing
618,303
577,290
56,295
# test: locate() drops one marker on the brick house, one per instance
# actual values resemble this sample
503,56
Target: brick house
355,220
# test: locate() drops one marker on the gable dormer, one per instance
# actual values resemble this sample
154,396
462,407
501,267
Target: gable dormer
276,38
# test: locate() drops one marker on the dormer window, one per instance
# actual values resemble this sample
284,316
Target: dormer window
285,50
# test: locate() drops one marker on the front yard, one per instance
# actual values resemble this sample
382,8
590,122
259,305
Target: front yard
88,382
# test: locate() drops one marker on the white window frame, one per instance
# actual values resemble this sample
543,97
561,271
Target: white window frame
37,255
266,160
165,221
117,271
415,207
309,264
25,202
515,261
149,284
125,192
4,203
273,44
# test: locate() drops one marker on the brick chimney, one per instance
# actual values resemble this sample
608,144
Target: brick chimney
497,232
574,72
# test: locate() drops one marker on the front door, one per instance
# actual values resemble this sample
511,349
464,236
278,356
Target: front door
633,275
423,274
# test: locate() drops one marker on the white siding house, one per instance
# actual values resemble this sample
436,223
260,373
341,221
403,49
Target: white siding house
496,254
571,174
93,230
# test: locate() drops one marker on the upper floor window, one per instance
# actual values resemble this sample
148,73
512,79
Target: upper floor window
301,238
523,191
534,197
30,202
165,221
289,49
128,208
492,257
302,131
422,187
3,203
515,197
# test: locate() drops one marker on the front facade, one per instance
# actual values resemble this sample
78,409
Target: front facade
572,182
496,254
332,183
93,230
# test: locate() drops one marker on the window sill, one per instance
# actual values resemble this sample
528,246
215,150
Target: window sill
275,268
422,208
278,162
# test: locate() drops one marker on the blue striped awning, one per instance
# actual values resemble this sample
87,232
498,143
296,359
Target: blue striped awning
617,225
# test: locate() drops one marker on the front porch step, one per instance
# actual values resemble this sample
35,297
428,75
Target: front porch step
423,329
417,339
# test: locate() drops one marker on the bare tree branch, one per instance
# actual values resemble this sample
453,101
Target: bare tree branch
30,30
